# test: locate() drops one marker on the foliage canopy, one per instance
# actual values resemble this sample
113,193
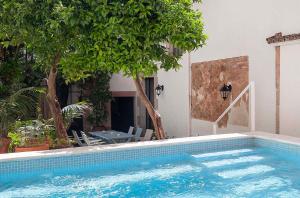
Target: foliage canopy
114,35
17,70
130,36
19,105
83,36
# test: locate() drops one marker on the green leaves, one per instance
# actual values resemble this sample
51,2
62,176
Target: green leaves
129,37
113,35
38,24
74,111
19,105
99,97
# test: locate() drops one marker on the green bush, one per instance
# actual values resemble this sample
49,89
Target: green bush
100,95
15,140
30,133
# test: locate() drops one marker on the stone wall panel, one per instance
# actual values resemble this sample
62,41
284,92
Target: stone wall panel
207,79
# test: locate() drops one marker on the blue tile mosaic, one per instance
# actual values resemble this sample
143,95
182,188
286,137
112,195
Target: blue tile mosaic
102,157
279,147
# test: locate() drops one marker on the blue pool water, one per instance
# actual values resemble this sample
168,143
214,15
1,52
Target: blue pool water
247,172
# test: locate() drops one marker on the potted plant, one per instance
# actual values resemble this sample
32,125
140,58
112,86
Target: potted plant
36,135
18,105
33,136
39,134
4,143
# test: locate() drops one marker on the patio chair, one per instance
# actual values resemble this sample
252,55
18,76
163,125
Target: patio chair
138,133
91,141
77,139
148,135
130,130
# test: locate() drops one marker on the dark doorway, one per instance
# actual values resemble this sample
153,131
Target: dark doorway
62,91
122,113
149,88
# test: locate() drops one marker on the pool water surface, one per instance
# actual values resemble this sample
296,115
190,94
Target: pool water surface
247,172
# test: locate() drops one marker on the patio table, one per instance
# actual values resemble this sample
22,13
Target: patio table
112,136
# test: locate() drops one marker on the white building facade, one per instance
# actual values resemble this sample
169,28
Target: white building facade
235,28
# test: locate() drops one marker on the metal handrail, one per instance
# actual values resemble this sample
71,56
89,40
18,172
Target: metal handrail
251,88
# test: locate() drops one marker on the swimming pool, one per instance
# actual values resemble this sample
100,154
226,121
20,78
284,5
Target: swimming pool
242,166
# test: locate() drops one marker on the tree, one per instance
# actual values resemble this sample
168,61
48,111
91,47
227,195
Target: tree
79,37
51,30
16,70
130,36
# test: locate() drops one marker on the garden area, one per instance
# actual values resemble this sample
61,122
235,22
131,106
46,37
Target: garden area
25,124
49,45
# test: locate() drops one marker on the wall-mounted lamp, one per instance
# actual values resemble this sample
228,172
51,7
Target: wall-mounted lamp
225,91
159,89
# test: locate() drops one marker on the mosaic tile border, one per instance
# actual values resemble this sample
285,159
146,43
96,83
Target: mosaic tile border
277,146
13,167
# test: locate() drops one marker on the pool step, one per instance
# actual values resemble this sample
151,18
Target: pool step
232,161
216,156
233,164
244,172
260,184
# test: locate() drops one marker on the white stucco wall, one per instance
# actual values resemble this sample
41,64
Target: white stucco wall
290,90
120,83
234,28
173,103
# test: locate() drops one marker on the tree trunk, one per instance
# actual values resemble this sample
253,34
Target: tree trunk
155,117
53,101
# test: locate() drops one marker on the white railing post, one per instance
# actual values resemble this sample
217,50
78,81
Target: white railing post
252,107
215,128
